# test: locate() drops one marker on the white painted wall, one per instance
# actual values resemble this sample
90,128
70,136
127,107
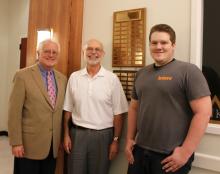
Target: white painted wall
98,22
18,28
14,26
3,60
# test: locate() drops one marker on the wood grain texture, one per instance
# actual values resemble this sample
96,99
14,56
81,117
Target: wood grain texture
75,37
65,17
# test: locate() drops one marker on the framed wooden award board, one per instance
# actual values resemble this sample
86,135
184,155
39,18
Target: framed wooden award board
129,38
126,78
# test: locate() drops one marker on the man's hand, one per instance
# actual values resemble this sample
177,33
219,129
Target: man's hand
18,151
176,160
128,151
67,144
113,151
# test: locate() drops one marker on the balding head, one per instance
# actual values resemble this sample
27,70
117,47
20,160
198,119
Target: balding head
93,41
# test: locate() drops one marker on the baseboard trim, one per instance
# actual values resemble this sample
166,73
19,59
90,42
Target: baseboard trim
3,133
207,162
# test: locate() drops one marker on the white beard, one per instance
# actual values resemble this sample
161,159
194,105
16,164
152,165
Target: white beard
92,61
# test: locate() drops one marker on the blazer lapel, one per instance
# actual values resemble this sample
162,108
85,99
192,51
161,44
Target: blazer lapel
40,83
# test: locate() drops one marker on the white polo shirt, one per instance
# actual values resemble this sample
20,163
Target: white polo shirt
94,101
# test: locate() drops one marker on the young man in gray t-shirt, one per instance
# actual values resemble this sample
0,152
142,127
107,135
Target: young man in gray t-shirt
169,110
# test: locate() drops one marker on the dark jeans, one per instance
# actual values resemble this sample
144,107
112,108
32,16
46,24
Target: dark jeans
149,162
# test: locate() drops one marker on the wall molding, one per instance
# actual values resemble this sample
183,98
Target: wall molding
196,32
208,162
213,129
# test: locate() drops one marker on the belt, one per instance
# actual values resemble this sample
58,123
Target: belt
80,127
84,128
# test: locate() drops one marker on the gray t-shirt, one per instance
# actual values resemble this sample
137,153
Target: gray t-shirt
164,113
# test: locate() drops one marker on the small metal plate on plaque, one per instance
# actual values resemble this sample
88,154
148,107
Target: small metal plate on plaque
127,81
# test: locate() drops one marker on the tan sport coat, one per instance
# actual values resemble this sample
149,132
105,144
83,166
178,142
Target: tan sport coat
32,121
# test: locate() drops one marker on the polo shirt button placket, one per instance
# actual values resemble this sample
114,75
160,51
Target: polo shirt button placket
90,87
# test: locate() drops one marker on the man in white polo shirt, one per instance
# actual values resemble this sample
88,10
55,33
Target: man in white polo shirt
93,104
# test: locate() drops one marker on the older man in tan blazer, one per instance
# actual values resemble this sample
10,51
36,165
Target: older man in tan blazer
35,113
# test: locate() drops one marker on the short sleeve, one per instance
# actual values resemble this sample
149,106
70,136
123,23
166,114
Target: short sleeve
68,101
196,84
134,93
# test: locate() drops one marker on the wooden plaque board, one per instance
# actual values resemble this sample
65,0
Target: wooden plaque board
129,38
127,81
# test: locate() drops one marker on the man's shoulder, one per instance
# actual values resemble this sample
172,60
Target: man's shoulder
145,69
61,75
109,74
25,71
185,65
77,73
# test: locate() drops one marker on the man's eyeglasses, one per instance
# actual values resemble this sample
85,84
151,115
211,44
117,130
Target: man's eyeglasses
90,49
49,52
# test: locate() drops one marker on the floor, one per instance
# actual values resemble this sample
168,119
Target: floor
6,158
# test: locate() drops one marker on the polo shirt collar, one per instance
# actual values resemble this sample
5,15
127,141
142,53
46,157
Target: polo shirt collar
100,73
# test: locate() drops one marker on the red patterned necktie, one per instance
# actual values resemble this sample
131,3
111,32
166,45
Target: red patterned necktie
51,89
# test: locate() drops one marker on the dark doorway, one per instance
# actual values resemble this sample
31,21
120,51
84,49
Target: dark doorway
23,52
211,49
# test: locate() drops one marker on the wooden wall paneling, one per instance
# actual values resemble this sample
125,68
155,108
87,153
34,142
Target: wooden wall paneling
66,19
53,14
37,18
75,39
60,22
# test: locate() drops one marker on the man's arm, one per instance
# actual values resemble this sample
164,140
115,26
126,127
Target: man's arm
202,109
66,137
16,102
114,147
131,129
